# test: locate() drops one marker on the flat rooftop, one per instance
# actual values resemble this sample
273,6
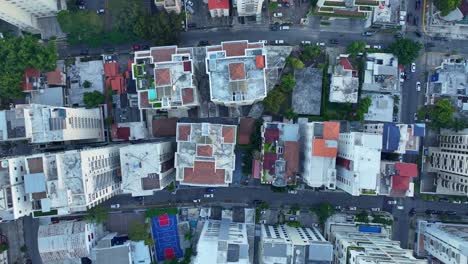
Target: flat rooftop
381,73
381,108
307,95
344,82
237,71
450,79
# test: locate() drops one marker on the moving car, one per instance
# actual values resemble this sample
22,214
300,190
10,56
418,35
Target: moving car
413,67
263,41
284,28
208,195
306,42
377,47
392,202
368,33
115,206
418,86
279,14
320,44
190,3
352,208
400,207
279,41
292,191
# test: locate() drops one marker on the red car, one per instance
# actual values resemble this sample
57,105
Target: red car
136,47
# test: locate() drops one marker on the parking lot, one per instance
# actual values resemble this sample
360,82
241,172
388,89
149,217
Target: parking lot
120,221
287,12
198,16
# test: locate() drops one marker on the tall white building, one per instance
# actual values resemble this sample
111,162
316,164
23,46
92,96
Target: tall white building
147,167
58,183
24,13
449,161
319,149
249,7
443,241
358,162
46,124
282,244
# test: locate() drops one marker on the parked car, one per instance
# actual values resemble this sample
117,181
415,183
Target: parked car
263,41
415,116
450,213
136,47
368,46
377,47
352,208
115,206
412,212
191,25
196,200
280,41
368,33
208,195
190,9
284,27
315,225
209,190
392,202
413,67
292,191
292,218
203,43
418,86
262,221
306,42
279,14
376,209
100,11
321,44
400,207
456,201
338,208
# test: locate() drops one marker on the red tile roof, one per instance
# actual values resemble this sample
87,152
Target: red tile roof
321,149
406,171
29,73
255,45
237,71
331,130
164,127
246,129
259,61
56,77
235,48
144,102
229,134
346,64
204,172
271,134
188,66
205,151
269,159
163,54
215,48
187,96
111,69
256,169
117,84
218,4
291,155
184,132
123,133
162,77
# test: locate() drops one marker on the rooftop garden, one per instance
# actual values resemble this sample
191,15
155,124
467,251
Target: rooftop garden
269,148
139,70
40,213
332,3
367,2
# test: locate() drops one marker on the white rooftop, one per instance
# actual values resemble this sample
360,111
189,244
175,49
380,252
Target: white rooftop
381,73
381,108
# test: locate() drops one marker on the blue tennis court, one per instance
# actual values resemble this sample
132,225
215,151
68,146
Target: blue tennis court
166,237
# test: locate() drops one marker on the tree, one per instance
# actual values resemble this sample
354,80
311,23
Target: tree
274,100
323,212
83,26
93,99
309,52
138,231
296,63
97,214
459,124
363,108
406,50
87,84
446,6
16,55
161,29
441,114
356,47
362,217
287,83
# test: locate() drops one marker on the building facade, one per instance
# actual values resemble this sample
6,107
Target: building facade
349,8
24,14
169,5
147,168
218,8
358,162
249,7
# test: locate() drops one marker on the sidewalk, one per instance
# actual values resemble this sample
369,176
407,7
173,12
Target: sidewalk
15,235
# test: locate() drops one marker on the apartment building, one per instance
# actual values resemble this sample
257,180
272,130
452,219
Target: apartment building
448,163
396,179
398,138
349,8
46,124
381,73
445,242
205,154
358,162
283,244
249,7
344,84
169,5
147,168
218,8
24,14
164,78
61,183
236,70
280,153
319,150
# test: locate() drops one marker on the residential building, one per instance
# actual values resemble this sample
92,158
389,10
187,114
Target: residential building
47,124
222,242
381,74
450,80
205,154
389,14
164,78
115,249
319,149
249,7
85,73
129,131
398,138
396,179
360,244
113,78
280,153
344,81
169,5
147,168
282,244
218,8
358,162
449,164
67,241
446,242
236,70
381,108
348,8
46,88
60,183
24,14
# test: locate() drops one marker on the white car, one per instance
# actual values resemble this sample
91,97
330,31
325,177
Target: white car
262,221
367,46
278,14
280,41
306,42
400,207
263,41
413,67
320,44
208,195
115,206
375,209
196,200
352,208
415,116
100,11
418,86
392,202
190,3
377,47
292,191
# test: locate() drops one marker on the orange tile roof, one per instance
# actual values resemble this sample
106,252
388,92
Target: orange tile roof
162,77
291,155
228,134
237,71
235,48
260,61
118,84
55,77
184,132
144,102
204,172
187,96
111,69
331,130
163,54
205,151
321,149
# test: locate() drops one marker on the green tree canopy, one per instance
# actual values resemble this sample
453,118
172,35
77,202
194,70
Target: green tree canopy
93,99
161,29
440,114
82,26
97,214
288,82
362,216
406,50
323,211
18,54
309,52
364,104
356,47
138,231
446,6
274,100
296,63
